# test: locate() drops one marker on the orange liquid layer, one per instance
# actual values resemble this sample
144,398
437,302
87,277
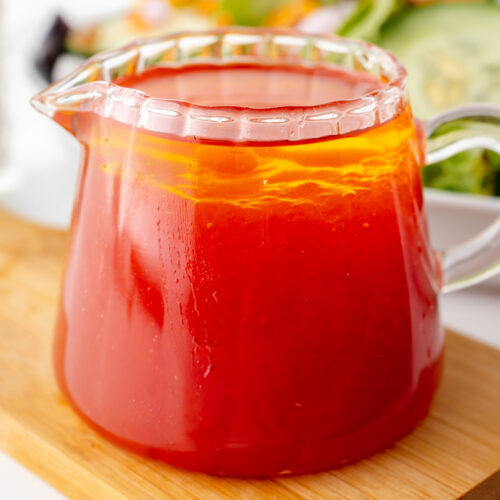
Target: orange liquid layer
250,310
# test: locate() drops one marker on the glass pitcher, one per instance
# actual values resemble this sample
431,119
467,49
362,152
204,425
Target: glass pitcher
250,289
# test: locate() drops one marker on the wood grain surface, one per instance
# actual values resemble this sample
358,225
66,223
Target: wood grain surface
456,447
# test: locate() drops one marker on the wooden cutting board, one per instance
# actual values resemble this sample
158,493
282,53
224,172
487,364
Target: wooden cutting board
456,447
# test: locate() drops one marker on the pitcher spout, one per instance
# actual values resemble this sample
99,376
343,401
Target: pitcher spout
90,89
80,92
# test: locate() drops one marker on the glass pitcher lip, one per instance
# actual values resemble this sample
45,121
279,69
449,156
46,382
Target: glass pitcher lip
91,87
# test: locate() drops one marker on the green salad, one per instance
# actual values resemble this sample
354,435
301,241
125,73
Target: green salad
451,53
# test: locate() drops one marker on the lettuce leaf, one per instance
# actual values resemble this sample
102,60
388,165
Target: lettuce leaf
369,18
249,13
474,171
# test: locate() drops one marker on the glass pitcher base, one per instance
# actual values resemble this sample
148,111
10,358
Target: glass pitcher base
260,461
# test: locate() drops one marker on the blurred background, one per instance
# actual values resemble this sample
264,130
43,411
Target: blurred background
450,48
39,160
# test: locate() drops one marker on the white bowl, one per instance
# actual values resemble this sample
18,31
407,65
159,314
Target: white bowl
455,217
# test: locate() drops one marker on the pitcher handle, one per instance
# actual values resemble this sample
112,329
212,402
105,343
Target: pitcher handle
449,133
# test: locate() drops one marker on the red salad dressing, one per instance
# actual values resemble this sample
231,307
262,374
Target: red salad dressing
250,310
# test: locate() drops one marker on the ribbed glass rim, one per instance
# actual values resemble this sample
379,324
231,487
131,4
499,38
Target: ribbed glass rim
91,87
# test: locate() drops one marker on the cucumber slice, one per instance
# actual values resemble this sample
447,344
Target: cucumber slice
369,17
450,51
